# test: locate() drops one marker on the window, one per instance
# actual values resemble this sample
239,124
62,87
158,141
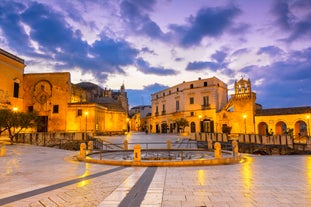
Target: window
16,90
157,96
163,108
177,105
163,93
205,100
191,113
191,100
191,85
30,108
157,109
169,92
55,109
79,112
205,84
177,89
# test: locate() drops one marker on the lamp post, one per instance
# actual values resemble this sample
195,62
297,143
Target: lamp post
308,117
86,113
244,117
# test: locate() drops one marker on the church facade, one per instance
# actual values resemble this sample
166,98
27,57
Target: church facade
61,105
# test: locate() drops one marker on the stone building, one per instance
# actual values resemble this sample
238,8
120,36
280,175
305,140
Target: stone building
197,101
61,105
138,117
11,80
204,103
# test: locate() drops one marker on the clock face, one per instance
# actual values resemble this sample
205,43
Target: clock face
43,91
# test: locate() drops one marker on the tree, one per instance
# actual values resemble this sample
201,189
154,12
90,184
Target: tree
15,122
182,123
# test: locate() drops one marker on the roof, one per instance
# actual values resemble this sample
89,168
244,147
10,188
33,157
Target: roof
9,55
283,111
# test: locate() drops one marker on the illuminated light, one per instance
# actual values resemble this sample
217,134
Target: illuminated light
201,177
15,109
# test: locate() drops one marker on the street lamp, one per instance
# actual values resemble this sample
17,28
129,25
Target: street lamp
308,117
86,113
244,117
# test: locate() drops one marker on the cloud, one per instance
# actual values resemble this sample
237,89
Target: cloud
211,22
201,65
136,18
10,26
59,43
145,67
288,18
219,56
270,50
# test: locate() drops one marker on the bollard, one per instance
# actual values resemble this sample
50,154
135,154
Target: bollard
90,146
210,144
125,145
168,144
235,148
2,151
82,150
137,153
217,150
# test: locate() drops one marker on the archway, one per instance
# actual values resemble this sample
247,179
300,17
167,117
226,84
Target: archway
263,128
300,129
164,127
192,127
280,128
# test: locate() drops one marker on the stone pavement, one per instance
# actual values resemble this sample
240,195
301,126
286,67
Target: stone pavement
40,176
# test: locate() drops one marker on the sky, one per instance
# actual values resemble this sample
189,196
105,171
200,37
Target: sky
149,45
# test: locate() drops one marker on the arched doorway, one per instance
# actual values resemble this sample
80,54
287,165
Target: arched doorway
207,125
301,129
263,128
280,128
192,127
164,127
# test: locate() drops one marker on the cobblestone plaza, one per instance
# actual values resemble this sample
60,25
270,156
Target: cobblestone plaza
41,176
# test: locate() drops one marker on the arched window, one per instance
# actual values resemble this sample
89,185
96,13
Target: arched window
192,127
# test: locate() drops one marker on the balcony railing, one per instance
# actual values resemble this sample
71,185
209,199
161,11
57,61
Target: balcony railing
206,106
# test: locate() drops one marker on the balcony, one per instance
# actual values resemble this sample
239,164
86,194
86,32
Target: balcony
206,106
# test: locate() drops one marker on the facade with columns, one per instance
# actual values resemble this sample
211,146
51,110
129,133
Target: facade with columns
61,105
206,106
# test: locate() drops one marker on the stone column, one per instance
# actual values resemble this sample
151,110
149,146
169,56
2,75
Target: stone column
235,148
125,145
217,150
168,144
137,153
82,150
210,144
90,146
